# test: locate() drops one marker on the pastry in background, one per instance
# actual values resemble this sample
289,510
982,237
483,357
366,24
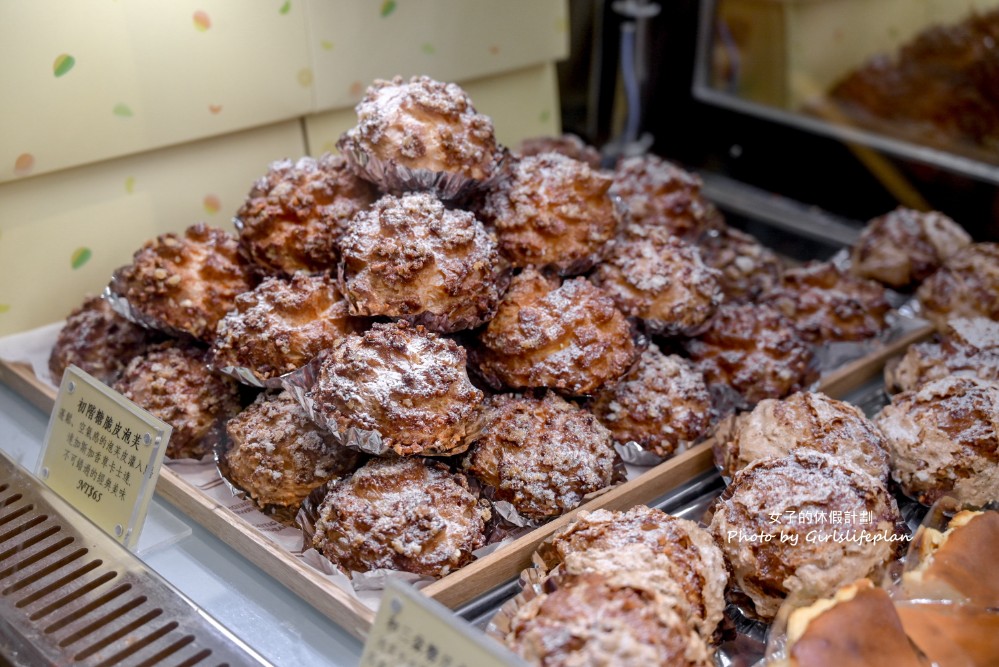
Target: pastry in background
905,246
661,280
281,325
969,346
754,351
278,455
540,454
184,283
561,335
944,440
660,195
967,285
746,268
803,421
662,403
403,514
567,144
405,384
173,382
828,305
293,215
421,134
776,524
552,211
411,257
99,341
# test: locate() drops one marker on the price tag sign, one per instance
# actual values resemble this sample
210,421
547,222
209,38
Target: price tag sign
412,630
103,454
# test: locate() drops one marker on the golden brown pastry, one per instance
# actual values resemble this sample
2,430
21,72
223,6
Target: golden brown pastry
566,336
905,246
967,285
540,454
172,380
421,134
278,455
804,524
99,341
969,346
754,350
410,257
293,216
944,440
662,280
592,619
747,269
808,421
185,283
567,144
659,194
856,626
281,325
674,555
552,211
402,382
827,304
949,634
958,563
401,514
662,403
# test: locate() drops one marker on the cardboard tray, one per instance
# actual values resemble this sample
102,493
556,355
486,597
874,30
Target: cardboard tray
480,576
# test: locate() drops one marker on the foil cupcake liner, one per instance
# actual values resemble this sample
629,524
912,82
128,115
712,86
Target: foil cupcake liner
123,307
249,377
532,584
281,514
391,176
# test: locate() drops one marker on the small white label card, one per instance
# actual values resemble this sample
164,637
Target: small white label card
103,454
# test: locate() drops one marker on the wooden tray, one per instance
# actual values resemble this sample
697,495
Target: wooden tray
481,575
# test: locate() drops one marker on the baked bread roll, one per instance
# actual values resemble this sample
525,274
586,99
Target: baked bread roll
776,524
661,280
184,283
552,211
542,455
675,556
593,619
944,440
401,514
753,350
808,421
662,403
969,346
172,380
402,382
905,246
421,134
410,257
827,304
281,325
660,195
967,285
294,215
99,341
561,335
278,455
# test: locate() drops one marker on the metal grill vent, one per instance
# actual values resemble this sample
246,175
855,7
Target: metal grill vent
69,595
